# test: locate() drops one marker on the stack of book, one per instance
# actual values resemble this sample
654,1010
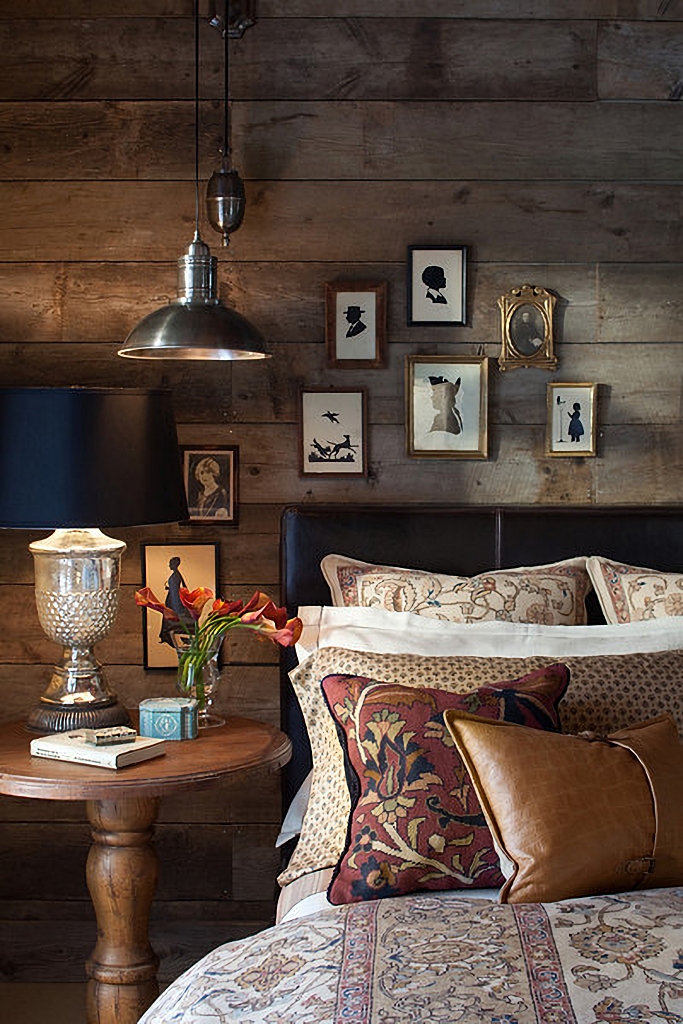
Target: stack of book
87,746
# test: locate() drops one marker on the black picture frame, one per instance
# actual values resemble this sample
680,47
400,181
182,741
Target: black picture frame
220,464
198,567
437,285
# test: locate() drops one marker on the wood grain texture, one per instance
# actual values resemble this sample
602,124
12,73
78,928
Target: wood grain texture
617,222
336,58
489,9
640,59
544,136
375,140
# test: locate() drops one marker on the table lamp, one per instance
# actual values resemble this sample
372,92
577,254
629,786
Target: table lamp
76,461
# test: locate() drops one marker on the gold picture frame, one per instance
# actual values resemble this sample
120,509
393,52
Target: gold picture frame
571,429
446,407
527,328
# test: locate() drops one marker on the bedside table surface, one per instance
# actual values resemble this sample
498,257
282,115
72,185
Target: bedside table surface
239,744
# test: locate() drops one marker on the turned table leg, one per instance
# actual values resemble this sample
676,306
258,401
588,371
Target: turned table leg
121,876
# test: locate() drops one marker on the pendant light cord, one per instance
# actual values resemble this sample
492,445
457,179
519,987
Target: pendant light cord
227,147
196,120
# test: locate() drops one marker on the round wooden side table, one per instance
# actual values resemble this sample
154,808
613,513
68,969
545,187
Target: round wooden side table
122,806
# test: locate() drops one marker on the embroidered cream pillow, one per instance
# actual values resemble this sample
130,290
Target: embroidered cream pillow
628,593
550,594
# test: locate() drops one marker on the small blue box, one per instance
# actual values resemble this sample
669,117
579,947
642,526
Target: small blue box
169,718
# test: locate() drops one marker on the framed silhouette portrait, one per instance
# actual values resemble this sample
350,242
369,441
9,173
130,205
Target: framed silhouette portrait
210,474
355,324
527,328
165,569
447,407
572,419
436,284
332,433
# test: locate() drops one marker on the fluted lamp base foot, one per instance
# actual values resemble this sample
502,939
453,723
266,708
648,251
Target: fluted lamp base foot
48,717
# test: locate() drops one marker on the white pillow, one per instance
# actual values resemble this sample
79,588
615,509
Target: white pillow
384,632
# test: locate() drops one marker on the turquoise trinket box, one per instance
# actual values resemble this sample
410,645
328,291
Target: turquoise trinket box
169,718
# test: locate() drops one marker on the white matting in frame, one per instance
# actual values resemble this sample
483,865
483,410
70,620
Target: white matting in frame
447,407
436,284
572,419
166,568
333,433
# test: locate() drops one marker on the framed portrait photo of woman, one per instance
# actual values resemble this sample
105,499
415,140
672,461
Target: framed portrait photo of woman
210,474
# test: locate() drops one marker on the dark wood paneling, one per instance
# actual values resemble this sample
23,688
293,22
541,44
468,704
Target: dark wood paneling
469,121
489,9
372,140
641,59
294,221
335,58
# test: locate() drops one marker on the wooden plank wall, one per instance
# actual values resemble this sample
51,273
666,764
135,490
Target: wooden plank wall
545,136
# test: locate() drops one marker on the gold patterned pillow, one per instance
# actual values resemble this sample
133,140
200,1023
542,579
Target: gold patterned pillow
553,595
628,593
606,692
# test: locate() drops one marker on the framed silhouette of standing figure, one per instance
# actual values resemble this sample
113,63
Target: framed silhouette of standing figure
436,284
572,419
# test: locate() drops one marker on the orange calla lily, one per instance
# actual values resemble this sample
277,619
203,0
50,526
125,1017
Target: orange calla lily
146,598
194,600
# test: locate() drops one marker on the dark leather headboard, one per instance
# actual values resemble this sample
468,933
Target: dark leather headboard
460,541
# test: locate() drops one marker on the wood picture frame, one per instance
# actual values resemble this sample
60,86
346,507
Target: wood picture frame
527,339
436,287
446,407
571,428
165,568
333,432
210,475
355,324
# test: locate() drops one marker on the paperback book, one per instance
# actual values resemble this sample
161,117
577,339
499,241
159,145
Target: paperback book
76,746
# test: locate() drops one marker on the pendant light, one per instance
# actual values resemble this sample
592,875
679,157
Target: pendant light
197,325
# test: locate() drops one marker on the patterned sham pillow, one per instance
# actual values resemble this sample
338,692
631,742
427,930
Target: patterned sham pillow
416,822
628,593
553,595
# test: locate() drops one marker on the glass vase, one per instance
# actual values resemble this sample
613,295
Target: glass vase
199,678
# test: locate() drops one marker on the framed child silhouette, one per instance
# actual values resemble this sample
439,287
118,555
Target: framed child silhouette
572,419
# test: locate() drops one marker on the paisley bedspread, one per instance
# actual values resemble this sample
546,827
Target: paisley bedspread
440,958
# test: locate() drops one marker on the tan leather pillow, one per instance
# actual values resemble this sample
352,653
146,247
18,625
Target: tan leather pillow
577,815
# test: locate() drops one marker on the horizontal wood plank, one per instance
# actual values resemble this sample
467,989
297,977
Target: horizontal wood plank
336,58
353,139
194,859
610,302
641,59
50,941
488,9
293,221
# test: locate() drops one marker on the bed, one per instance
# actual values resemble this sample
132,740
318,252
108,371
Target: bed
464,843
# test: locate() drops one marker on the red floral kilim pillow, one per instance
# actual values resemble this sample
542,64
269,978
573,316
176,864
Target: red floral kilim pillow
416,822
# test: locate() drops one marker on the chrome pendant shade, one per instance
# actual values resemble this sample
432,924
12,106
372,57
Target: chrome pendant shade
196,325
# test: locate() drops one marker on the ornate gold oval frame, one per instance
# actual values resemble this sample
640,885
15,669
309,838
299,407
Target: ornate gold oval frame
527,328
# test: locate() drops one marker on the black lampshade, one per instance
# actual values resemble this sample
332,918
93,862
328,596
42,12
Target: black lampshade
88,457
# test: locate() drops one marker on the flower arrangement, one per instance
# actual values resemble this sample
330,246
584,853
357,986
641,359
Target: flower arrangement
198,635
